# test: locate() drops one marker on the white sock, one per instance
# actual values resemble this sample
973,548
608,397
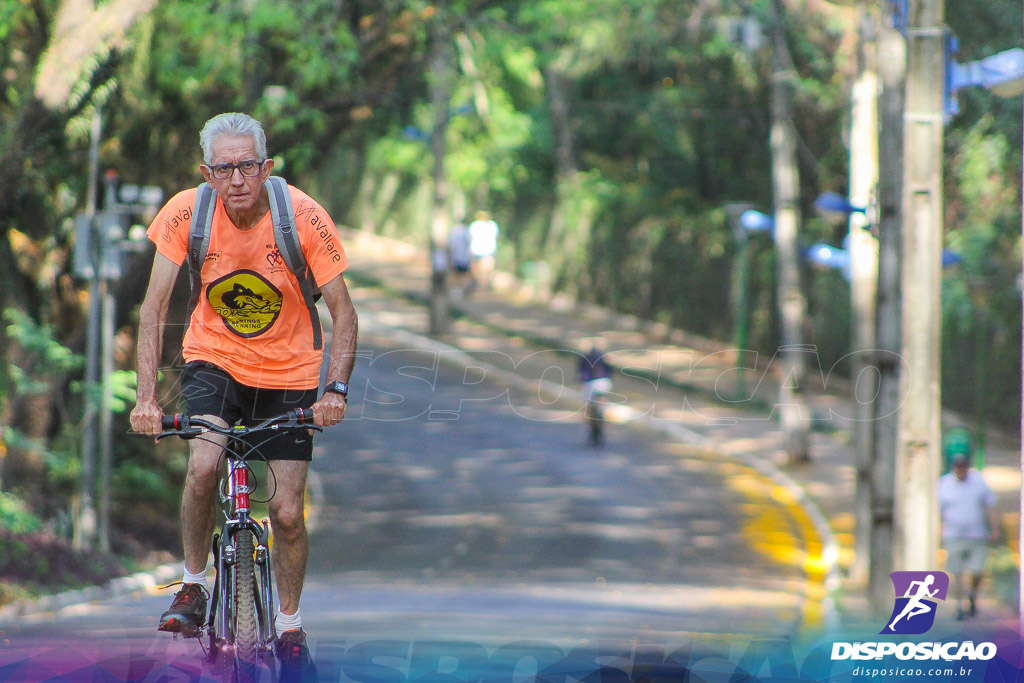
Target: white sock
195,578
287,622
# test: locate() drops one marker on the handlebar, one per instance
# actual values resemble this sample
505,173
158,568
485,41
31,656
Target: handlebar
190,427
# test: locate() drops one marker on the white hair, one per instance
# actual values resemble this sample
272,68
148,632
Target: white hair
232,123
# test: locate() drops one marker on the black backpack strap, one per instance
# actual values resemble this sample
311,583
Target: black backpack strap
199,242
287,240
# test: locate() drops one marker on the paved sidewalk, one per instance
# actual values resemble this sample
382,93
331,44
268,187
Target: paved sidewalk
685,386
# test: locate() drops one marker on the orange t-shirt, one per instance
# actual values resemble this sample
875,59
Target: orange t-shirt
251,319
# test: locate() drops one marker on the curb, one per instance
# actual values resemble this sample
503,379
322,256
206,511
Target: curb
125,585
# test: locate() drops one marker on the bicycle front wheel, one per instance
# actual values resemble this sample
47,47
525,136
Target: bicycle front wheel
244,626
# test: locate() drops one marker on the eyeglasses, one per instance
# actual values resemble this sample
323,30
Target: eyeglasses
248,168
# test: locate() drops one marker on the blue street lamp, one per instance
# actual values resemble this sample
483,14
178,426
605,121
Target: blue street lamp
833,257
755,221
836,203
1002,73
899,15
415,133
830,257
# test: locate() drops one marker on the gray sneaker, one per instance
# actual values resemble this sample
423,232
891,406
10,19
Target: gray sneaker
187,612
296,664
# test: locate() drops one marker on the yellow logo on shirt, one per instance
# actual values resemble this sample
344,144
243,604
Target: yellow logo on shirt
247,301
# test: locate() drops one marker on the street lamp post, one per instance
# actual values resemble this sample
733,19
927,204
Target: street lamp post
86,264
102,240
891,60
749,221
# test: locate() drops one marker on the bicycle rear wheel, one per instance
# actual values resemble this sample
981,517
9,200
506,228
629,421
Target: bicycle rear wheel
594,414
244,626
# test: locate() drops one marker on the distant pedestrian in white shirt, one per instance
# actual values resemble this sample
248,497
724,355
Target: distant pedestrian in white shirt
969,524
483,242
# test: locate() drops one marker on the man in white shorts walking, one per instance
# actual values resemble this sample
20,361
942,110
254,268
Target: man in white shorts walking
969,524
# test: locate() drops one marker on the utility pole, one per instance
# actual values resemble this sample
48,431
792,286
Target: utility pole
108,227
918,456
785,186
892,60
863,248
440,95
106,418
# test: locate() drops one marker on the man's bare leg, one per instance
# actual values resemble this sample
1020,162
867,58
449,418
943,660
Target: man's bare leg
291,541
198,511
198,516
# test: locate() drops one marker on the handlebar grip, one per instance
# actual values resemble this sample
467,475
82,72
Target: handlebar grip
174,422
303,416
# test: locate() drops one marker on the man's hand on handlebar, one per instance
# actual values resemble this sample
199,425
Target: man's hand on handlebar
145,418
330,409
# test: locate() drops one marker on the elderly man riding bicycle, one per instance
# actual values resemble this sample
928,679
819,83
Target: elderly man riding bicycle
252,349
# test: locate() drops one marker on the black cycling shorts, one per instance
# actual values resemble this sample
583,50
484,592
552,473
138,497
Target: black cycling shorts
209,390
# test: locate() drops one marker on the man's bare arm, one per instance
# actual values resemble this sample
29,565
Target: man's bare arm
145,418
330,409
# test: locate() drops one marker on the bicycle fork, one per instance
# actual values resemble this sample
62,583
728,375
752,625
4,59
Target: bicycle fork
226,558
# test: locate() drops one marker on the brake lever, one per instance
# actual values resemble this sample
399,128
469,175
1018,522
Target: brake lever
186,436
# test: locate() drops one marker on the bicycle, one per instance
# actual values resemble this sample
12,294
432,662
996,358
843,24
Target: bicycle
240,625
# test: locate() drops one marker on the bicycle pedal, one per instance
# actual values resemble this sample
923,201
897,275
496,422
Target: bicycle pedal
177,628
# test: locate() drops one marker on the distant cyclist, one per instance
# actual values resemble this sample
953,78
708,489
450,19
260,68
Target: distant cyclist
251,352
596,376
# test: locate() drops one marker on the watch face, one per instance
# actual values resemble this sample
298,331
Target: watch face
337,387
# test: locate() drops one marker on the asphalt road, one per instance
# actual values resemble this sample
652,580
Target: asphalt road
461,523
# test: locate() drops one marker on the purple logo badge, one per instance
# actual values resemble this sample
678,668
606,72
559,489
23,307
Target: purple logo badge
917,594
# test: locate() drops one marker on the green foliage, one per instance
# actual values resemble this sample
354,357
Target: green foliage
122,385
16,517
63,464
44,563
981,299
37,340
42,358
142,484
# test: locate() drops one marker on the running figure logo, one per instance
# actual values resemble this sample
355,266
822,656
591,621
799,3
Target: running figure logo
916,596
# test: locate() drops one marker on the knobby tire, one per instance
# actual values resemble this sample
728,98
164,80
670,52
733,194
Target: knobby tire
595,421
247,656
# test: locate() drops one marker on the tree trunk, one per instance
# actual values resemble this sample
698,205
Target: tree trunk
892,70
440,97
564,243
864,283
792,406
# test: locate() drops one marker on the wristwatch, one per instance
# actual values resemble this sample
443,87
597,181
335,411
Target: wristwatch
337,387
